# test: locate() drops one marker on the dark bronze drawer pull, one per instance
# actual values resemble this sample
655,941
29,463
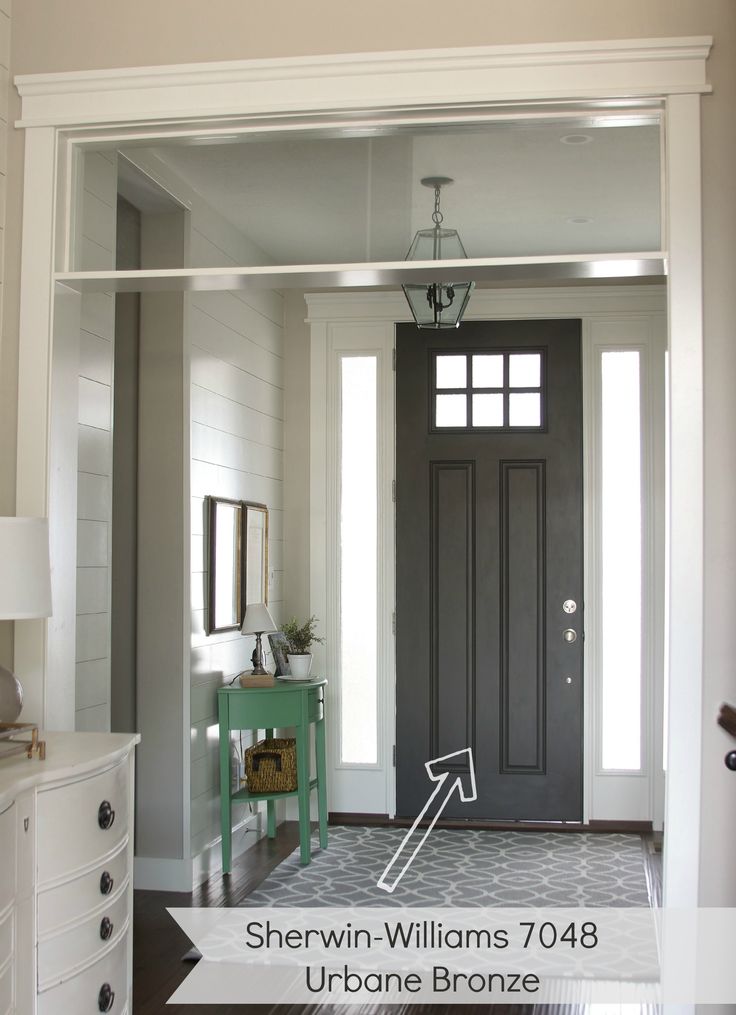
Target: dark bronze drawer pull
106,997
106,882
106,928
105,815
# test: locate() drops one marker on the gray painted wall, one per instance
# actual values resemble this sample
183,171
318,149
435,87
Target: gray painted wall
163,555
124,598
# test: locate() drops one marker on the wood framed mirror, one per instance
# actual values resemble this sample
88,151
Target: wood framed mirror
256,553
226,570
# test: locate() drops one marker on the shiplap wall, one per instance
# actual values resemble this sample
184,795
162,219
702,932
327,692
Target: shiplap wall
235,340
94,479
237,451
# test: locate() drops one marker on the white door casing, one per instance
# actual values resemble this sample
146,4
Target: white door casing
612,318
431,86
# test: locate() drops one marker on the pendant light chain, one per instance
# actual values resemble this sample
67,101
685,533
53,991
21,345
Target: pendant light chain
437,215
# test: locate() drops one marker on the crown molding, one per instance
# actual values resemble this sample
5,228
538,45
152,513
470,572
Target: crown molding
437,78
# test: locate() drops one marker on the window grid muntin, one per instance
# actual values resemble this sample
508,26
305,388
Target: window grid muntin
469,390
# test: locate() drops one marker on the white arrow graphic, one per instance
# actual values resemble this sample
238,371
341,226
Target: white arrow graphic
440,778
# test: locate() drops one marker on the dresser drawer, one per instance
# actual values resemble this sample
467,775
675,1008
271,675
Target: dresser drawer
62,954
6,990
71,820
6,940
68,903
7,852
81,994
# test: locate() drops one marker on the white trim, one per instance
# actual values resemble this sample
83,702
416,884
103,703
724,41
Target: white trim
208,862
334,319
371,784
409,79
588,76
527,270
34,391
627,795
684,763
169,874
161,874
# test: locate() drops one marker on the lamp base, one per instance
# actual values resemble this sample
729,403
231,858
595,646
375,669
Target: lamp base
11,696
257,680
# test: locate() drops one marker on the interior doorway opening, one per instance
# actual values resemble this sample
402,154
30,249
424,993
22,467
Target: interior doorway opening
682,187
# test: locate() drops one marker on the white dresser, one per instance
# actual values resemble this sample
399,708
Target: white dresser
66,877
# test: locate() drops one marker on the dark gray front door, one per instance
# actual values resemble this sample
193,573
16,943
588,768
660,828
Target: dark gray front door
489,538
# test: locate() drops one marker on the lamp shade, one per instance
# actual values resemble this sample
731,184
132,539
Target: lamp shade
25,573
257,619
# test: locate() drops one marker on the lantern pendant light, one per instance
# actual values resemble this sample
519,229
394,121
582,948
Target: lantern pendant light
439,304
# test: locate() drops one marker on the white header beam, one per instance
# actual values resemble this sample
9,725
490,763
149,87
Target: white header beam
439,79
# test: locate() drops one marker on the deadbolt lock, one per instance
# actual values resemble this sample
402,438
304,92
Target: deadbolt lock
569,635
569,606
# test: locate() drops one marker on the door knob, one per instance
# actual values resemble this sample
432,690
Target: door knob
730,760
569,635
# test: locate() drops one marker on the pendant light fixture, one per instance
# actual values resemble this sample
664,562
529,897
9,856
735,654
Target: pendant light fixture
439,304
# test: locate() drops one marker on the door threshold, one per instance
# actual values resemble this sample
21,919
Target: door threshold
383,820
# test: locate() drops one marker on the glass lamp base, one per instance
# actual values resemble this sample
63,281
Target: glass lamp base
11,696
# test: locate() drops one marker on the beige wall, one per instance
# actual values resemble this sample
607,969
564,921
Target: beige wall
77,34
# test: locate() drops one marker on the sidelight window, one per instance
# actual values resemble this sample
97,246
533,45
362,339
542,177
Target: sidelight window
621,561
358,560
488,391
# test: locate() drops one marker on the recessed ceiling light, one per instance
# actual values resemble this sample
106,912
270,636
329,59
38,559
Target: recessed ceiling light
580,220
576,139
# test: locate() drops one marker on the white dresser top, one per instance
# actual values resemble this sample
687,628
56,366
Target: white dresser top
68,756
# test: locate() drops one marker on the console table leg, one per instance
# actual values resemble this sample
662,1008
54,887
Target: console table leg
225,802
319,744
302,773
271,815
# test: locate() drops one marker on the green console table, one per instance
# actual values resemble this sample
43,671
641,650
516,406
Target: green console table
287,703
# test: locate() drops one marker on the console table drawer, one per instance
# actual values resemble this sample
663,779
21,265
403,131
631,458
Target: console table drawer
83,994
68,903
315,708
7,852
98,809
62,954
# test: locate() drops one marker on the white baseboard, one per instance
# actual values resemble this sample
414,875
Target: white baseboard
165,874
162,874
209,862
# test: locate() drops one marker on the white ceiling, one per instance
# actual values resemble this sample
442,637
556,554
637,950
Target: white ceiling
517,191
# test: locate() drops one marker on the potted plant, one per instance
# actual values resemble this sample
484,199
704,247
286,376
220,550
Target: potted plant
300,638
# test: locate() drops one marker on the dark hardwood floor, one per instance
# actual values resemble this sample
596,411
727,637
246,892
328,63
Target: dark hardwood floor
159,945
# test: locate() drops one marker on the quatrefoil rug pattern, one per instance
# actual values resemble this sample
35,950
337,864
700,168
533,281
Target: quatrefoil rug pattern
464,868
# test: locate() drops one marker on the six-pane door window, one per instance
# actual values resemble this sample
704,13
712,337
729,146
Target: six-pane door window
488,391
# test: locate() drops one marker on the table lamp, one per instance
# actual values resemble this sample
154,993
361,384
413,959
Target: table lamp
25,591
257,621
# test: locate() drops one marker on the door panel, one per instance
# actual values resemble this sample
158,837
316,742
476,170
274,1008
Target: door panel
489,546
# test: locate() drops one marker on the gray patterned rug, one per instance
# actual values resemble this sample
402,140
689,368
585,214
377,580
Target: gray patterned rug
464,868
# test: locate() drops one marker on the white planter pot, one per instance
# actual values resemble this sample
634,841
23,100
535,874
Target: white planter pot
300,665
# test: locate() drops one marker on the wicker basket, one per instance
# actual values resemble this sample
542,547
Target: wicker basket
270,766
